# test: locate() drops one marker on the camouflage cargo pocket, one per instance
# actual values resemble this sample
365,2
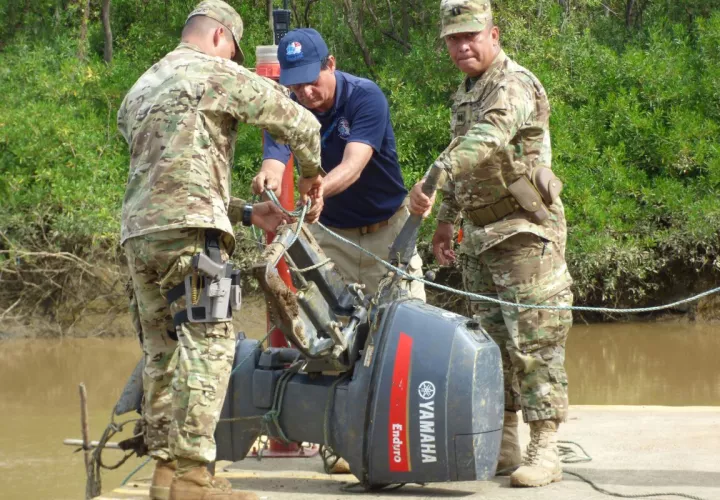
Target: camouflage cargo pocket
200,416
220,330
477,279
219,344
540,328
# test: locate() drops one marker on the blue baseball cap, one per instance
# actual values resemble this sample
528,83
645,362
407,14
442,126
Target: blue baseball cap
300,53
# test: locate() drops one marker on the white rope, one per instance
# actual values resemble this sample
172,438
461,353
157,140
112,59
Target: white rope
477,296
310,268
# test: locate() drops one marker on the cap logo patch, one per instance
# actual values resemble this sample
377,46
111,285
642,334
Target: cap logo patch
294,52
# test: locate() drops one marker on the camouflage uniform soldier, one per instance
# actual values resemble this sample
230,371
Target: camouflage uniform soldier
180,120
514,230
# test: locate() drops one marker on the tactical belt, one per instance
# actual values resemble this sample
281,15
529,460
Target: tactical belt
492,213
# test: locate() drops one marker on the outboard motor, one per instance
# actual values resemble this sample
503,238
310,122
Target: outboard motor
424,402
419,394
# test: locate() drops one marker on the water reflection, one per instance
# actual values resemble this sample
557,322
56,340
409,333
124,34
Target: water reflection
674,364
40,407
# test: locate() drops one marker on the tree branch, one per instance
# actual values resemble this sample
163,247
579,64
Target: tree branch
628,13
271,24
393,35
308,4
107,29
355,27
82,49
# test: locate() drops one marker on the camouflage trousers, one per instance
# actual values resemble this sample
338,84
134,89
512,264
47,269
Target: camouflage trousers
184,381
525,269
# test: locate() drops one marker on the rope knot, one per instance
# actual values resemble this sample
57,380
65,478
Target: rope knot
270,416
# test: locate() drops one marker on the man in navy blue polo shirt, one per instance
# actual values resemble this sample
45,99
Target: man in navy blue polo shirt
363,191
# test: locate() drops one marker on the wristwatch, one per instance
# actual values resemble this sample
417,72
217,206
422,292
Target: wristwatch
247,215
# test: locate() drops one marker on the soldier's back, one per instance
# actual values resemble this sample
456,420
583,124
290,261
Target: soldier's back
181,143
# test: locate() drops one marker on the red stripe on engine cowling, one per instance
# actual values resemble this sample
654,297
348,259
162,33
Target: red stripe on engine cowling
398,447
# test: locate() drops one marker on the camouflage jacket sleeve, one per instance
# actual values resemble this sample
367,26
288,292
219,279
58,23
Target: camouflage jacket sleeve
122,122
235,210
508,108
449,209
254,100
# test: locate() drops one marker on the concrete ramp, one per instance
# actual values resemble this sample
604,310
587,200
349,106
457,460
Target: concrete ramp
635,450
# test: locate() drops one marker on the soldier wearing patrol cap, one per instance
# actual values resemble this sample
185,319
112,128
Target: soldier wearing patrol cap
226,16
500,181
180,121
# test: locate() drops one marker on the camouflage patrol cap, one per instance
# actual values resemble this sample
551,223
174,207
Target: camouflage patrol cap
464,16
225,15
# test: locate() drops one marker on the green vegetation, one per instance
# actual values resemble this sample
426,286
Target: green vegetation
636,120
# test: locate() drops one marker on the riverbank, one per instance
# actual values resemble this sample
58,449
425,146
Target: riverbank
113,324
635,121
116,323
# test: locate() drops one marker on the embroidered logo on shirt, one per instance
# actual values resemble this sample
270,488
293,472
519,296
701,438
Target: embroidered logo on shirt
294,52
343,128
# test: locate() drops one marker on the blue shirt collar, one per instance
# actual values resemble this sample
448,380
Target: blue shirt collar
339,89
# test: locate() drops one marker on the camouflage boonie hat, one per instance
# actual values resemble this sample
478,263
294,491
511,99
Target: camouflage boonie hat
225,15
464,16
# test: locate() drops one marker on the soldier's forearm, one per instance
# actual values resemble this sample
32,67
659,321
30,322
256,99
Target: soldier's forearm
306,149
448,212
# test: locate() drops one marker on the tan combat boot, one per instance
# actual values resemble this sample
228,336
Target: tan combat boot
340,467
221,483
162,479
198,484
510,454
542,459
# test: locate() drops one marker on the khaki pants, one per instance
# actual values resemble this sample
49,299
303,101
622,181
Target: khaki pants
357,267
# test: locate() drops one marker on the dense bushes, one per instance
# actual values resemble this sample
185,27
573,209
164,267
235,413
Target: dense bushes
636,117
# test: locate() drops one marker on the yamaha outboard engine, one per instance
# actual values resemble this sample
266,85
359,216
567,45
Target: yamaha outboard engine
424,402
404,391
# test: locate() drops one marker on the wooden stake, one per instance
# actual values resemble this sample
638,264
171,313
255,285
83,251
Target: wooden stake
85,431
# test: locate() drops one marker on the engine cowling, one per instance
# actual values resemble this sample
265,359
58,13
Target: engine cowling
423,403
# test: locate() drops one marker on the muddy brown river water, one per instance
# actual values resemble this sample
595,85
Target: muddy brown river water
671,363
